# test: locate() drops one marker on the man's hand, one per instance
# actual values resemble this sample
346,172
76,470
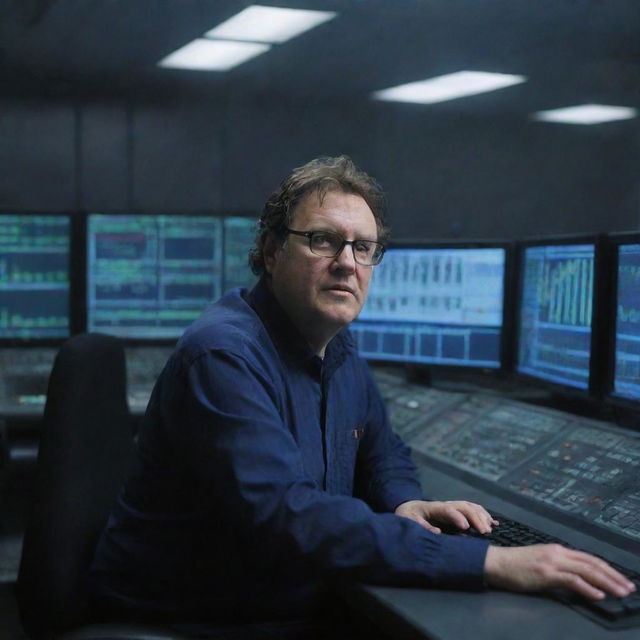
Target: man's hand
457,513
549,566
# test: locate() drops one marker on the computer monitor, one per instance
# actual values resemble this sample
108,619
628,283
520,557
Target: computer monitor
149,276
239,235
35,254
556,302
624,379
437,305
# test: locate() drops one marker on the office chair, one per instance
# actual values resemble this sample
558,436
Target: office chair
85,448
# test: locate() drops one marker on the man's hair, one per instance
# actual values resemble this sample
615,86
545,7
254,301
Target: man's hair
320,175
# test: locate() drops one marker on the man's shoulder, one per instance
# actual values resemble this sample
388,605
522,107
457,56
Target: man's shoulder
229,324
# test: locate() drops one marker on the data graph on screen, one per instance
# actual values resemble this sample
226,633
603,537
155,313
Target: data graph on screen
239,234
34,276
149,276
435,306
627,335
556,309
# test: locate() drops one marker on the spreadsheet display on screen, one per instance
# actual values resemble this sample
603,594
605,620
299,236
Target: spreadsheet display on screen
149,276
435,306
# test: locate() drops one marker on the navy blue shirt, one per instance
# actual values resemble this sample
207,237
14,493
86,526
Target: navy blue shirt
263,473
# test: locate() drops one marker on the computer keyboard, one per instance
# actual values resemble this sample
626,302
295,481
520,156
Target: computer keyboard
613,613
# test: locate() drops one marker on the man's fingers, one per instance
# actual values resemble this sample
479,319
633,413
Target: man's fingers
600,574
541,567
453,515
474,515
425,523
457,513
575,583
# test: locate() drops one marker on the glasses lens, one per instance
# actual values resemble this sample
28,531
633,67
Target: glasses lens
365,251
325,243
377,253
328,244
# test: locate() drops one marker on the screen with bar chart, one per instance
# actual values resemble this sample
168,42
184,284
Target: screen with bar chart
435,305
555,313
626,377
34,276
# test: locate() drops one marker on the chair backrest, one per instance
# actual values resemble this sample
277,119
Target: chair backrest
84,453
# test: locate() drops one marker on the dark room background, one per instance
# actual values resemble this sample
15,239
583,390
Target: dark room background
446,177
89,122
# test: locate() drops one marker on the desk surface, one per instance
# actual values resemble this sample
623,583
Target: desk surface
491,615
453,615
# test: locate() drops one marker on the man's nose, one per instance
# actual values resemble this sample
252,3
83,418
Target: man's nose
346,258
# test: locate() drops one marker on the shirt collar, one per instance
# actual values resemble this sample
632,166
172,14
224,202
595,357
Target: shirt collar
288,339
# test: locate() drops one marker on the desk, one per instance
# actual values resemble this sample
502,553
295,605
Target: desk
455,615
491,615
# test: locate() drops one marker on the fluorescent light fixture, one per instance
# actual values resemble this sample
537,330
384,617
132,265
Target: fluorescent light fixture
269,24
453,85
213,55
586,114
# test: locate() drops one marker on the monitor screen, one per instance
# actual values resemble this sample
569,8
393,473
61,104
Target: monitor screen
149,276
239,234
555,313
34,276
435,305
626,376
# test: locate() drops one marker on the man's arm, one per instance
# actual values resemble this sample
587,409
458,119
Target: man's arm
529,568
549,566
227,430
386,470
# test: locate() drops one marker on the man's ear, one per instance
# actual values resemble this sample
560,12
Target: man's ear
270,250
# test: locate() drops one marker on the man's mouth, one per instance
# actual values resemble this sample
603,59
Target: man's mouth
342,287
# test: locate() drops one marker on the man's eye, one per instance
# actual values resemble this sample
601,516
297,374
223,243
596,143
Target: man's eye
362,247
321,240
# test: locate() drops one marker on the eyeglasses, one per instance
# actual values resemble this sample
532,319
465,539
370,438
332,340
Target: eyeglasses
329,244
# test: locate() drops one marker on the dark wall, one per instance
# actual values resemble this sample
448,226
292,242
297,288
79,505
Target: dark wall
509,178
445,177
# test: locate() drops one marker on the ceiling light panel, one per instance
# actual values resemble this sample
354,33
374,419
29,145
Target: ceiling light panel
213,55
257,23
448,87
586,114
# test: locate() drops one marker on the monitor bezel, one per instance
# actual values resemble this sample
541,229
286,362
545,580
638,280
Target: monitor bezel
418,369
597,318
140,341
612,400
74,279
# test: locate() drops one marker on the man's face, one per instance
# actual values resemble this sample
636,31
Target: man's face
322,295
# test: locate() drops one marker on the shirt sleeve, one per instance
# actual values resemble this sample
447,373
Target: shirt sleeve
233,437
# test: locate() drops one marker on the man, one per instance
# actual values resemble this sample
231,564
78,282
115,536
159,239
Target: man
266,468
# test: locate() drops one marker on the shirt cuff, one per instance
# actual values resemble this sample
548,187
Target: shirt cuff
459,563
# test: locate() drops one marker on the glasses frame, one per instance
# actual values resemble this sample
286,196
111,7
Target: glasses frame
309,235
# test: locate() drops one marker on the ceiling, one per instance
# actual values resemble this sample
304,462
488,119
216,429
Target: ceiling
572,51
